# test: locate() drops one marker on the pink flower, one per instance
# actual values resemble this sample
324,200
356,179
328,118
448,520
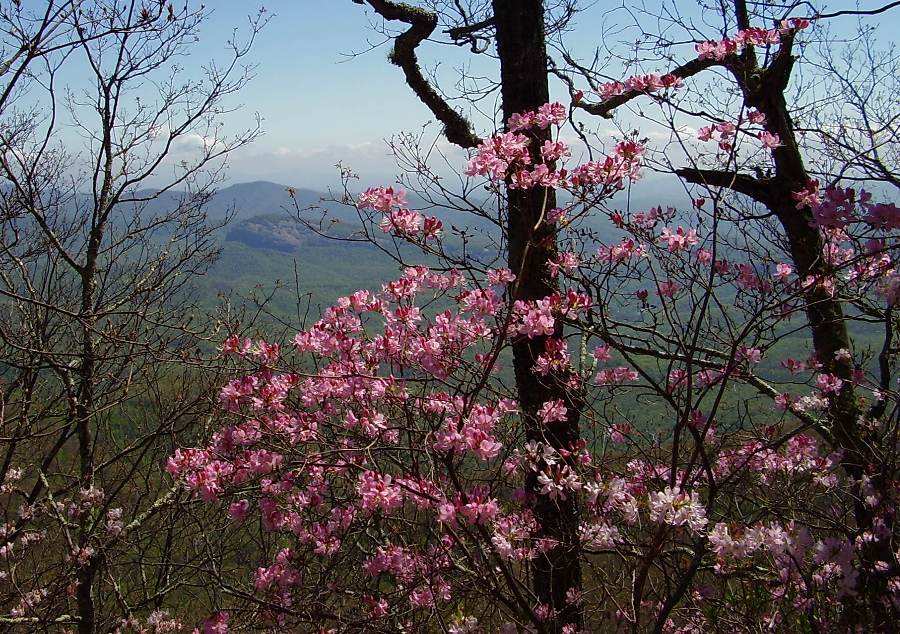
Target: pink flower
783,272
432,227
829,383
611,89
495,155
218,624
679,240
518,122
726,129
377,492
537,319
614,376
382,199
757,117
783,401
825,284
234,346
769,140
676,508
668,288
808,196
618,432
551,114
500,277
750,355
557,481
239,510
553,151
882,215
567,261
377,609
555,215
405,222
553,411
670,80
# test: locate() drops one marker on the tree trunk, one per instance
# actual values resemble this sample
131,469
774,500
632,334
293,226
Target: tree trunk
827,323
524,87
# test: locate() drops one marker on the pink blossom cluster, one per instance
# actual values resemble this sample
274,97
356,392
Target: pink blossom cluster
625,250
719,50
547,115
676,507
649,83
398,218
539,318
624,163
839,207
308,453
679,240
507,155
496,155
725,130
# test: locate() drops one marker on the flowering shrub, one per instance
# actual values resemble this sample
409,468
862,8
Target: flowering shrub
395,471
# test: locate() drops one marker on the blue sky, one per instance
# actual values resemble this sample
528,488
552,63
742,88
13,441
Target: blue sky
319,106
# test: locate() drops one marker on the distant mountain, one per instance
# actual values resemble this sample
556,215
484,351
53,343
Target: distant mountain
238,201
242,201
281,232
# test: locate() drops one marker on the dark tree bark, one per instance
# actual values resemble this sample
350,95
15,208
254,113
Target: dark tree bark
521,48
764,89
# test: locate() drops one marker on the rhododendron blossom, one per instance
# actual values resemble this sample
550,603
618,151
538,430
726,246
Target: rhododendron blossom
387,458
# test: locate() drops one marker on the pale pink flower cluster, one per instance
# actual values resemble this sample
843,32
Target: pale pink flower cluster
679,240
507,155
218,624
719,50
548,114
376,492
726,543
624,163
726,132
158,622
538,318
553,412
625,250
382,199
770,140
599,535
398,218
676,507
554,359
356,399
567,261
840,207
649,83
808,196
496,155
558,481
668,288
616,376
472,433
512,533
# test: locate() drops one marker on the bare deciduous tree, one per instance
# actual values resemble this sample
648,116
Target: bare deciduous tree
101,337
